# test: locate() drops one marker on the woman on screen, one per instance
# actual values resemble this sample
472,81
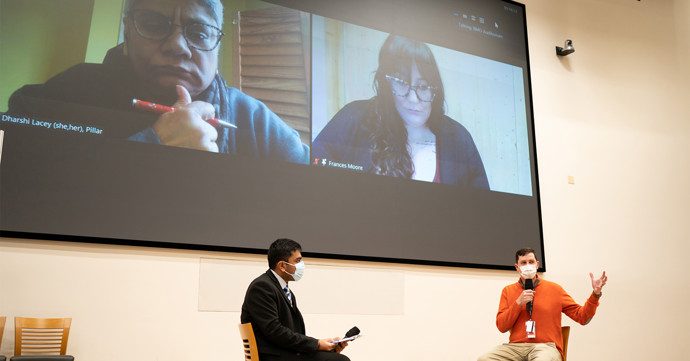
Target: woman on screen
403,130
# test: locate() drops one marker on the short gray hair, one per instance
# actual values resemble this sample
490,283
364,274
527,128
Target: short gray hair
215,6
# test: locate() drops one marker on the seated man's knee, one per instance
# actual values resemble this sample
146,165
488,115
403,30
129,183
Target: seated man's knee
485,357
340,357
545,352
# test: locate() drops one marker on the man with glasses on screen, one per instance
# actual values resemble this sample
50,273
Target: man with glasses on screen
170,57
531,310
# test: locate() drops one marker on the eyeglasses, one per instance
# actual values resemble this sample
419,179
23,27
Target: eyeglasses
154,26
401,88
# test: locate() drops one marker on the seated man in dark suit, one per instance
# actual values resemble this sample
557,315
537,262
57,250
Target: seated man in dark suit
271,308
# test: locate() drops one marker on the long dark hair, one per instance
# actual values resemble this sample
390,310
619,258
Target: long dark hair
389,152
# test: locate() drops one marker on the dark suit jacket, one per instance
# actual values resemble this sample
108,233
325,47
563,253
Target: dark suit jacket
278,327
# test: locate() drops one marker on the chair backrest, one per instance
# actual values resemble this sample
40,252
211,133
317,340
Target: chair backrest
565,330
251,353
41,336
2,327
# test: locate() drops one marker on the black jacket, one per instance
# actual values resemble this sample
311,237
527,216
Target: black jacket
278,327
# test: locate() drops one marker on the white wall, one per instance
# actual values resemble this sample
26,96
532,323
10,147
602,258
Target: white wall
613,115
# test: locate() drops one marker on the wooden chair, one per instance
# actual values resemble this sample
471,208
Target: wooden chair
41,336
2,330
565,330
251,353
2,327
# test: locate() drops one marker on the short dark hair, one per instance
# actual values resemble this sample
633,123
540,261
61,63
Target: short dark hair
281,250
524,251
215,6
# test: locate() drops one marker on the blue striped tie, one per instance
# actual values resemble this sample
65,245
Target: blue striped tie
288,294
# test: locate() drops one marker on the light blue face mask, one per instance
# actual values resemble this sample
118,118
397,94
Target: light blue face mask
299,271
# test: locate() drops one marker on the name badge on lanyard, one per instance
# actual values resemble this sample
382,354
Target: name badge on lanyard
529,327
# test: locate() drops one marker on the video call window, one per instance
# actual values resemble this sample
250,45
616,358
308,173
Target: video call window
485,96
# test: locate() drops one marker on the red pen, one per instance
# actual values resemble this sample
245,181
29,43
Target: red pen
161,109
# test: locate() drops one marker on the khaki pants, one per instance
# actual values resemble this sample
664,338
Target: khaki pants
523,352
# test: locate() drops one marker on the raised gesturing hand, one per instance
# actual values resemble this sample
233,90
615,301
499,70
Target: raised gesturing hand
598,284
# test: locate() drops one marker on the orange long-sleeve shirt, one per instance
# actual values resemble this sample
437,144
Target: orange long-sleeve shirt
550,300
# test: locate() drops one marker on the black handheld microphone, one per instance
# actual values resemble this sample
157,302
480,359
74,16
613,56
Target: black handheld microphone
529,285
349,336
353,332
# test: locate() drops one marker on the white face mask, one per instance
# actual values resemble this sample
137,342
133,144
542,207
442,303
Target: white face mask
299,271
528,271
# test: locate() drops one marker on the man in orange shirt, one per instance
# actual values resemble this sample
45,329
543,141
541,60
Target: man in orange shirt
533,316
